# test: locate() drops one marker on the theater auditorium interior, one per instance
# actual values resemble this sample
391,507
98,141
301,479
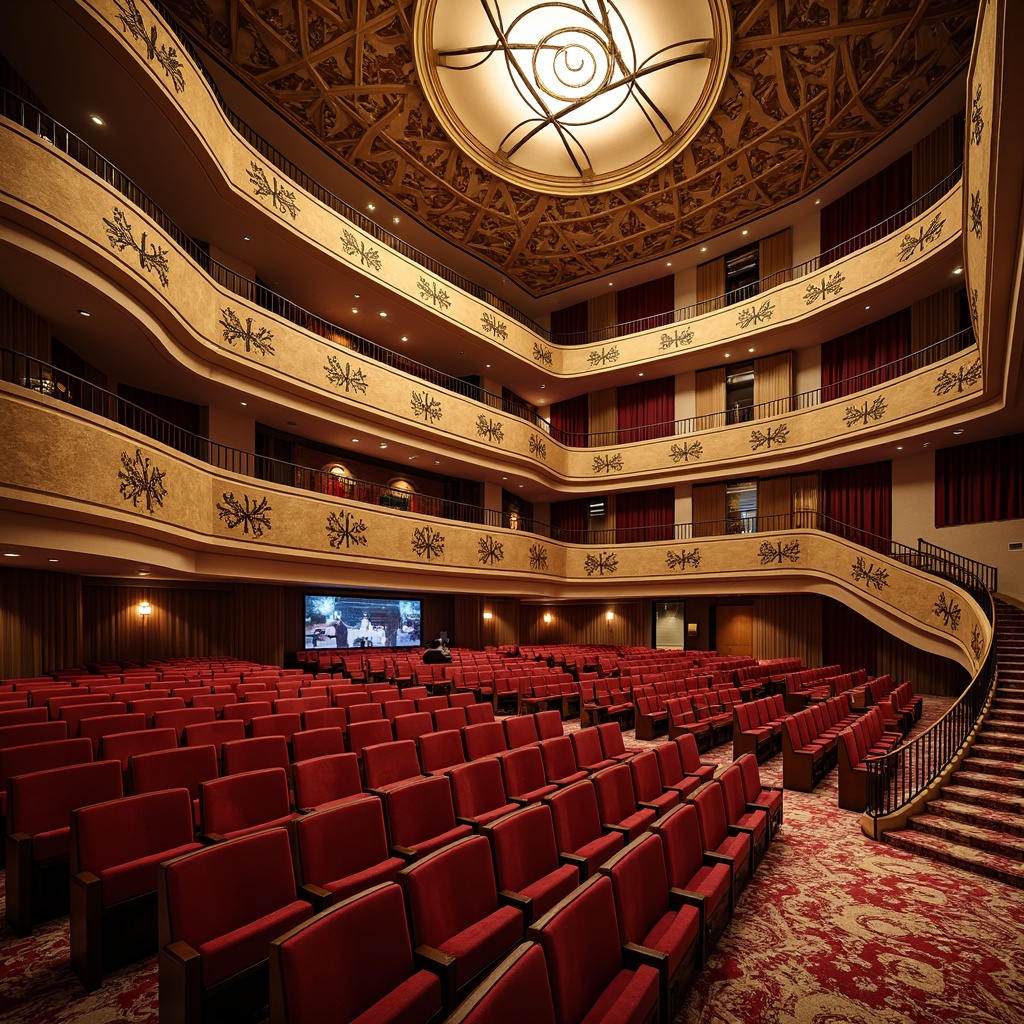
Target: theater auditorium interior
511,510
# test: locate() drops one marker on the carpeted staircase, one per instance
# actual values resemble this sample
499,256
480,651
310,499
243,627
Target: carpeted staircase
978,822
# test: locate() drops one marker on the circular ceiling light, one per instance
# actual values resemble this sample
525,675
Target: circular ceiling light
572,96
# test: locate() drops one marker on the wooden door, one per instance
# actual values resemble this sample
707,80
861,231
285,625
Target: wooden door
734,629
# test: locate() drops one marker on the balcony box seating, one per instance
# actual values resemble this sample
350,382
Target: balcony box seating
352,962
659,920
479,792
218,910
238,805
767,798
516,990
421,817
325,781
705,877
116,847
740,814
39,806
455,916
342,850
617,803
592,977
578,833
386,765
718,837
526,861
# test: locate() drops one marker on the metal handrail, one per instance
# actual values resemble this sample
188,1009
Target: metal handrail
364,223
897,778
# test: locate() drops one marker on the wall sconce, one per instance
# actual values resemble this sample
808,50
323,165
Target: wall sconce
145,609
488,616
547,618
609,616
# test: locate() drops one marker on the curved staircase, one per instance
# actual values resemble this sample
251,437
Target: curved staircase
978,821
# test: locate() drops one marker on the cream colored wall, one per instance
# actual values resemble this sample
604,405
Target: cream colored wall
913,516
807,236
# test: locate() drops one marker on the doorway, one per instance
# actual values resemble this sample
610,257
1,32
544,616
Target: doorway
734,629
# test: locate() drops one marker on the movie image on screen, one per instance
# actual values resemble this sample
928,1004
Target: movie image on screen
340,622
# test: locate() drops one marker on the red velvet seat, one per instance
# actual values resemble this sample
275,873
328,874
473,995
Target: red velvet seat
219,909
651,916
526,860
740,815
116,847
186,767
75,714
670,770
37,757
21,714
446,719
215,734
409,727
250,755
39,806
479,713
523,772
370,711
421,817
479,792
182,717
483,740
768,798
440,751
689,757
578,833
717,837
238,805
125,745
324,718
589,977
520,731
318,743
365,734
549,724
352,962
516,990
291,705
705,876
454,912
386,765
342,850
32,732
323,781
246,710
217,701
650,790
617,803
586,745
560,767
285,725
94,729
149,706
612,743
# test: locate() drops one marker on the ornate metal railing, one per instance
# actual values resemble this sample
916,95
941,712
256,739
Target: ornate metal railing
896,779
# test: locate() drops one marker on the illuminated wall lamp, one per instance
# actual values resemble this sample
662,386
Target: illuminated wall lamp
488,616
609,616
145,609
547,618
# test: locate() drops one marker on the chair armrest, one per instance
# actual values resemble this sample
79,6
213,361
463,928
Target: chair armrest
405,853
521,800
634,955
319,897
209,838
508,898
180,969
580,863
430,959
621,829
650,806
711,858
679,898
471,822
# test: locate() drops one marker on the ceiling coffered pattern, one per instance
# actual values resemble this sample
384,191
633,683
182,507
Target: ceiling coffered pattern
812,85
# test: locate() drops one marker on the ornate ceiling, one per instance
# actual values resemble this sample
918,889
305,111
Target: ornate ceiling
813,84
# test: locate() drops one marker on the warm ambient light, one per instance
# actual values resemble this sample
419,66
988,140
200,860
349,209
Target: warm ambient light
488,616
609,616
145,608
547,618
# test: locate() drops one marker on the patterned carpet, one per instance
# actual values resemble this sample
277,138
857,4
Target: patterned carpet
833,929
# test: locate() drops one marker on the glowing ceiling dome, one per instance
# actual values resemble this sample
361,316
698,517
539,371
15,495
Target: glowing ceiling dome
572,96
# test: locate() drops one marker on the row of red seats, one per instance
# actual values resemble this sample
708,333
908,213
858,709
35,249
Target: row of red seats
712,707
809,740
865,738
757,727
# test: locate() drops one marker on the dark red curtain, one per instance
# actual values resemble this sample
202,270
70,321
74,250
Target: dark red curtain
857,503
847,639
870,203
646,409
569,520
866,357
644,516
569,326
570,421
645,305
981,482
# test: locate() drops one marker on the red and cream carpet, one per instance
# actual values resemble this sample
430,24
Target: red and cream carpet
833,929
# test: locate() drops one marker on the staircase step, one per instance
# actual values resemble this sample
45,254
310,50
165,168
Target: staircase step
965,834
979,765
994,738
980,780
983,797
993,751
1008,704
980,862
1003,822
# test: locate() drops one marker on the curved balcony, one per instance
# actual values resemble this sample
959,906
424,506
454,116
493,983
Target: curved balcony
250,171
213,317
